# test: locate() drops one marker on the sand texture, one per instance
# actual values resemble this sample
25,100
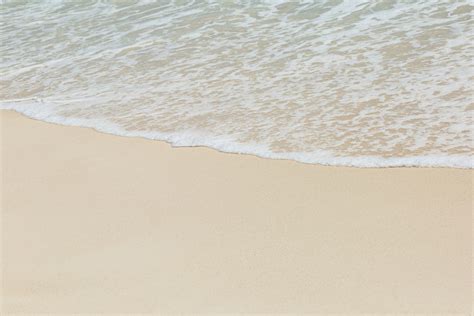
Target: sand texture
96,223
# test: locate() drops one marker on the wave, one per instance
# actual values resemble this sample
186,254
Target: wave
348,83
188,139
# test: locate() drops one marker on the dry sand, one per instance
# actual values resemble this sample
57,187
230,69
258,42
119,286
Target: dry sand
95,223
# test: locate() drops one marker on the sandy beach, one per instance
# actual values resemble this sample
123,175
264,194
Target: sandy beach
96,223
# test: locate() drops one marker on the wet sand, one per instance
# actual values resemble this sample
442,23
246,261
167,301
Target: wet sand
96,223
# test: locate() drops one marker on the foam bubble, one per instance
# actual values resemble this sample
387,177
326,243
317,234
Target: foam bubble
359,83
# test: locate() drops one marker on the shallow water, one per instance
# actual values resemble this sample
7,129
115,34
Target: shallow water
355,83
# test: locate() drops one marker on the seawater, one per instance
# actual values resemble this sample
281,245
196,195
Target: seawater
352,83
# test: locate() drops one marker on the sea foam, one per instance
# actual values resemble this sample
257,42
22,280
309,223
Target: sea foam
351,83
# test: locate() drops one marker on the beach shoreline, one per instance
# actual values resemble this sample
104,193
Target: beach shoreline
399,160
98,223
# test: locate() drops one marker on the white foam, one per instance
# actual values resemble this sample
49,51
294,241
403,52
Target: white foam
190,139
358,83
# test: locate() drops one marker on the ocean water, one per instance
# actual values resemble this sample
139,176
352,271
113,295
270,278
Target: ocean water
352,83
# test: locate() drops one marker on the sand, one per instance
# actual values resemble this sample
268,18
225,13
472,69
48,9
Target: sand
96,223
